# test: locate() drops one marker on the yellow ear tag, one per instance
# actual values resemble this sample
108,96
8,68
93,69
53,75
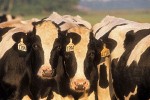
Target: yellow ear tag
70,46
105,52
22,46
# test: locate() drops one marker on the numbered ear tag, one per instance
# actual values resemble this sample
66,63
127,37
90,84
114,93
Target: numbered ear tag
70,46
22,46
105,52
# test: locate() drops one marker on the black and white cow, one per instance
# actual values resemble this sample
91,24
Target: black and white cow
51,40
76,71
129,45
6,17
76,77
20,58
81,63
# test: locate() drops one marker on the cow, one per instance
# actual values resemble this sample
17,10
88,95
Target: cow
76,71
127,44
21,56
8,17
18,23
51,41
47,30
80,64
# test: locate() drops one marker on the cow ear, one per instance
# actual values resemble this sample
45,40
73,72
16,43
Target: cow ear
75,37
20,39
17,36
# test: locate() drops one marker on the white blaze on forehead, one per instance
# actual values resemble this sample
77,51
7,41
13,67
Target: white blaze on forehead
138,50
48,33
80,50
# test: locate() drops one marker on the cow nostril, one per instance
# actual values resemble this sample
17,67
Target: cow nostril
75,83
84,83
80,87
45,70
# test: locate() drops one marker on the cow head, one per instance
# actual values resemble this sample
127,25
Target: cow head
51,39
81,56
29,46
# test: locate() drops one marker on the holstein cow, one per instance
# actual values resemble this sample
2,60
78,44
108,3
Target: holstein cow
79,79
129,45
18,23
48,34
21,56
104,85
76,71
51,30
8,17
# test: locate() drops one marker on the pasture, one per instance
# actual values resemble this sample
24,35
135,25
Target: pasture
94,17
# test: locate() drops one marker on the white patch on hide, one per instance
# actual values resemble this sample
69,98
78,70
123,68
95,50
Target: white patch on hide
131,93
139,50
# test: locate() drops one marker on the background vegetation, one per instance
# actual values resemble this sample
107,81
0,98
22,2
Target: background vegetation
43,8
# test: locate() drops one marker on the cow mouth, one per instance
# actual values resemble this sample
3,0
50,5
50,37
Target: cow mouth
79,90
82,89
79,87
48,74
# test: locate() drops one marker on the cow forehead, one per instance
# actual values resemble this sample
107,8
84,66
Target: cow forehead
47,32
80,49
79,30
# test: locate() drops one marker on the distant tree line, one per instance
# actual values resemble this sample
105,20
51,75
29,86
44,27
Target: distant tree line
36,6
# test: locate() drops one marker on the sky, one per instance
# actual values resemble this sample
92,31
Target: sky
115,4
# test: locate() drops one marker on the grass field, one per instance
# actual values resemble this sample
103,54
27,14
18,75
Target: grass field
95,17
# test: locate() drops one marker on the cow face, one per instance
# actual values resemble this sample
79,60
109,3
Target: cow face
26,53
51,44
81,55
29,45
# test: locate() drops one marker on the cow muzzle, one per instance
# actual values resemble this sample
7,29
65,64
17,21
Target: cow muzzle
45,72
80,85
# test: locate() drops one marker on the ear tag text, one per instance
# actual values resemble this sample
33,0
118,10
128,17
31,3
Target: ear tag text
70,46
22,46
105,52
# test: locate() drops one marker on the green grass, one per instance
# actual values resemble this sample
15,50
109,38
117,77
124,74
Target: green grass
95,17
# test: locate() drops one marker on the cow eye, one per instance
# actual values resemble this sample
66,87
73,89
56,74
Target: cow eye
91,55
67,55
58,48
35,46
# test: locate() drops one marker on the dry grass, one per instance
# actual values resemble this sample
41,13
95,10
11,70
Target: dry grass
95,17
